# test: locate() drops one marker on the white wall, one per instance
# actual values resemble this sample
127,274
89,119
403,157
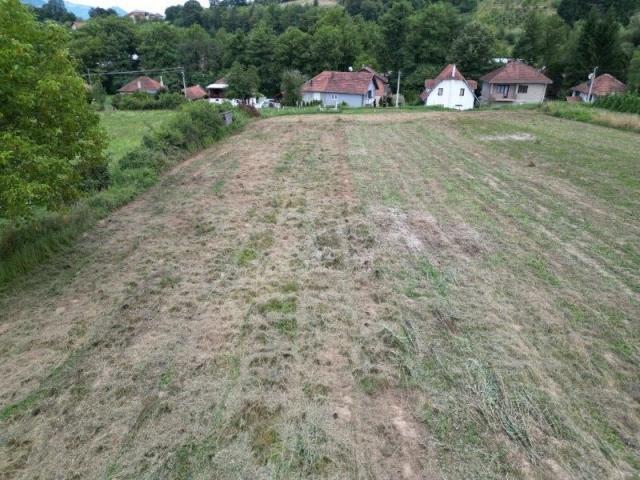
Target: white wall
450,97
535,93
331,99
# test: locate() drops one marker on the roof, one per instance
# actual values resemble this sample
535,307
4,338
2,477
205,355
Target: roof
142,84
195,93
383,78
219,84
447,73
355,83
516,72
603,85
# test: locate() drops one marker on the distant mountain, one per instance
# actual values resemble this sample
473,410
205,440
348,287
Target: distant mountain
79,10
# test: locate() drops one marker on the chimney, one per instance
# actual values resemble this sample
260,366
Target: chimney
161,81
139,85
453,72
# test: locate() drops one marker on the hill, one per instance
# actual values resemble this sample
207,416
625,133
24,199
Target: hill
79,10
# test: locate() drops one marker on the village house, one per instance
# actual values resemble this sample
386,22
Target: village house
144,84
217,90
603,85
355,89
515,82
142,16
195,93
383,90
450,90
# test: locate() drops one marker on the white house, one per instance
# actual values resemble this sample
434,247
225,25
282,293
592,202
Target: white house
449,90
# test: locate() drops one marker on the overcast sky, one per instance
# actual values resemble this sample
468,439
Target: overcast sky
155,6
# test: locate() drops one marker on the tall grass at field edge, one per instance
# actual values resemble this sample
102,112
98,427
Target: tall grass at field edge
592,114
24,245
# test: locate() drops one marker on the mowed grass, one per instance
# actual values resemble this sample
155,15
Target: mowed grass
125,129
407,295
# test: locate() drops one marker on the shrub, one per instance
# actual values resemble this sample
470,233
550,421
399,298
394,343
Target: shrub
627,103
145,101
23,244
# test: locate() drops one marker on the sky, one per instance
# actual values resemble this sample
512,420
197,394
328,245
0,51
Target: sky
154,6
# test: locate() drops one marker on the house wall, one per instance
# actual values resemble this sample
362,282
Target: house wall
330,99
450,97
535,93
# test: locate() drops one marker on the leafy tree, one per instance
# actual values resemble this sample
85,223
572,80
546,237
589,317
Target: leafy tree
473,50
50,141
260,54
243,81
598,45
191,13
573,10
394,30
101,12
199,54
432,31
290,85
55,10
292,50
633,77
105,44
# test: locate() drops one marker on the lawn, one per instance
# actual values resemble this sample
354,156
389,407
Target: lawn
126,128
409,295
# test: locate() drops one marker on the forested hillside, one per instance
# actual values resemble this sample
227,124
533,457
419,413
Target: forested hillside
566,37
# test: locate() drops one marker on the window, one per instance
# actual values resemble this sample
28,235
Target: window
334,96
523,88
440,91
503,90
462,92
369,94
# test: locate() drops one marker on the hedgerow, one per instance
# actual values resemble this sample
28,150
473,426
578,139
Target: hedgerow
24,244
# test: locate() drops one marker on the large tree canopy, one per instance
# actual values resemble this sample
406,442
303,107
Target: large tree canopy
50,140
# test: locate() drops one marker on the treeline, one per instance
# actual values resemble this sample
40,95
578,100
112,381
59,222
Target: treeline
417,37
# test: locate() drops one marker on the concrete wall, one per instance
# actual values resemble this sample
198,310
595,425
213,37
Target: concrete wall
450,97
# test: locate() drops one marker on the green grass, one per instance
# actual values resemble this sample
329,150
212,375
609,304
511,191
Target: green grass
126,128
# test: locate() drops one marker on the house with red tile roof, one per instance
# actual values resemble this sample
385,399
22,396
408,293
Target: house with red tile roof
195,93
450,90
356,89
383,89
515,82
603,86
143,84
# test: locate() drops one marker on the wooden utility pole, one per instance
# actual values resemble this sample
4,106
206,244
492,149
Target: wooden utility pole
398,90
593,78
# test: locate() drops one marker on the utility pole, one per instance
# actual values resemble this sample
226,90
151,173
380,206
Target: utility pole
593,78
184,84
398,90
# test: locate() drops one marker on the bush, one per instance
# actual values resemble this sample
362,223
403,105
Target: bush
24,244
627,103
145,101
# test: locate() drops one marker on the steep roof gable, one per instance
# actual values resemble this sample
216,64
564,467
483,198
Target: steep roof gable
355,83
604,84
450,72
516,72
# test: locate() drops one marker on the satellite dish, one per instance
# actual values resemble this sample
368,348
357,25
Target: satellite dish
591,76
351,69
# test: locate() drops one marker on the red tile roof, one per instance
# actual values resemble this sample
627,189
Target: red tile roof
449,72
382,77
196,92
516,72
603,85
340,82
142,84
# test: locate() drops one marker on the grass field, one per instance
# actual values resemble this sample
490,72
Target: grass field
126,128
408,296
